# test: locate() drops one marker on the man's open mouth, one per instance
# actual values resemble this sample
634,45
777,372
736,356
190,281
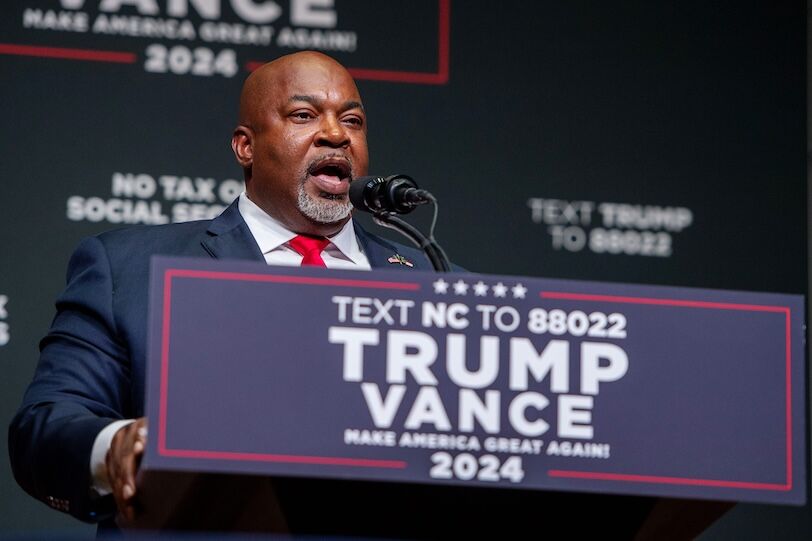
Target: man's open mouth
331,175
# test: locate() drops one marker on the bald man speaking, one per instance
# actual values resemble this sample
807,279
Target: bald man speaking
77,439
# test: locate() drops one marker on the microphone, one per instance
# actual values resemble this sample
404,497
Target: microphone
395,193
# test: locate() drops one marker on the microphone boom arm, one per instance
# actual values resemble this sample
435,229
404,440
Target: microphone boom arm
429,246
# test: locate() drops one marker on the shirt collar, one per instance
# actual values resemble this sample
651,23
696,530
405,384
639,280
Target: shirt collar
271,235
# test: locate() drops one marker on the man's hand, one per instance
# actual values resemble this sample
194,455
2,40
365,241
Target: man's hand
122,460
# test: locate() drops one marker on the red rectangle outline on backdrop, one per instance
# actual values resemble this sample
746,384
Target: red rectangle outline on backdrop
440,77
65,53
169,275
655,479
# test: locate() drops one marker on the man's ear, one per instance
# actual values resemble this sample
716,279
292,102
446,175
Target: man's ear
242,143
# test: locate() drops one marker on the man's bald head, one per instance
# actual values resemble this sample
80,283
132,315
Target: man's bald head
262,84
301,139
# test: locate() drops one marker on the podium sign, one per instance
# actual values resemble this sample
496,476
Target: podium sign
482,380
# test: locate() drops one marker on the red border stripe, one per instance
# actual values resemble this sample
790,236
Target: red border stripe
293,459
662,302
69,54
249,277
789,401
667,480
165,328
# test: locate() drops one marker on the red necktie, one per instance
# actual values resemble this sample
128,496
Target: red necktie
310,248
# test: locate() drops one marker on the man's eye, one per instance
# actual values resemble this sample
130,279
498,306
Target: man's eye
354,120
301,115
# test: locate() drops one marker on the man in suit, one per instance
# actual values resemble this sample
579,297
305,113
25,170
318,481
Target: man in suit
79,434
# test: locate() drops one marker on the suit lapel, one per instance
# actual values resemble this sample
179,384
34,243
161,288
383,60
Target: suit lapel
376,254
230,238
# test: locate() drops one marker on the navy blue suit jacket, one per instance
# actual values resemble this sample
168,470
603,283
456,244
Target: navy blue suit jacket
92,362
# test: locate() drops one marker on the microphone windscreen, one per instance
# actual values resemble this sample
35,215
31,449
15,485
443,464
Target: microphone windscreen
359,188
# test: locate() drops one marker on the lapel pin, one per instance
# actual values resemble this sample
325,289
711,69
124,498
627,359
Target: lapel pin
399,259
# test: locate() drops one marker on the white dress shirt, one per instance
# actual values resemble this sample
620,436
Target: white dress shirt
343,252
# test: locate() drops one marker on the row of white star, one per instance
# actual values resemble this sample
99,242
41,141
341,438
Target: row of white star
480,289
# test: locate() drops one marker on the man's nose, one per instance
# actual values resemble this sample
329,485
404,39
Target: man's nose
332,133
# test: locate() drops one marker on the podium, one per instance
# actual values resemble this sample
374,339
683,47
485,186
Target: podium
413,405
235,503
